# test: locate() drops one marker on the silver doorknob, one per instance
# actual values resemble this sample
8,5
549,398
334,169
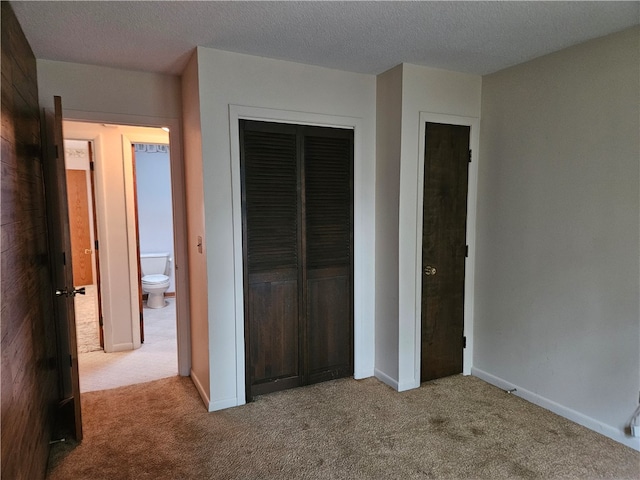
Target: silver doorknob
429,270
70,293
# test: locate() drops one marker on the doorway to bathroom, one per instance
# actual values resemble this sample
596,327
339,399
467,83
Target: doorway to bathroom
132,214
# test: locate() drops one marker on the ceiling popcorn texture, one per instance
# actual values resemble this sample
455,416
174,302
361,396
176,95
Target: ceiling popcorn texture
357,36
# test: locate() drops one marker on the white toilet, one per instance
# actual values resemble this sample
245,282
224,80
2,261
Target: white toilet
155,281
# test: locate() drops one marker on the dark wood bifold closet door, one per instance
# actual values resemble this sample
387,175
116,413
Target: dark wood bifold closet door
328,213
271,261
297,245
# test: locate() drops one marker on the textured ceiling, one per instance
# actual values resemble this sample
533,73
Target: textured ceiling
366,37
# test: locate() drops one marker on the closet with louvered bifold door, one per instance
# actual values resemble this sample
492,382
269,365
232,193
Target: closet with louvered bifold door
297,226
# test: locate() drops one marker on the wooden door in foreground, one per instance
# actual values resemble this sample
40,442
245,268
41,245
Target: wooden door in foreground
446,167
69,416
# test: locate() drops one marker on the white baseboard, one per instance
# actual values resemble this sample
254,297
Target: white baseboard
568,413
410,385
212,406
360,374
204,395
384,378
122,347
224,403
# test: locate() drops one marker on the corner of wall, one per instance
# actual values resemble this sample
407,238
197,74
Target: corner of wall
387,194
196,249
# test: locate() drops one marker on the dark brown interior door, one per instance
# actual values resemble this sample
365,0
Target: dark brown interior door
444,249
297,244
69,416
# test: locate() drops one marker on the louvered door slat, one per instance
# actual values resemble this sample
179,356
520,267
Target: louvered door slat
270,180
328,200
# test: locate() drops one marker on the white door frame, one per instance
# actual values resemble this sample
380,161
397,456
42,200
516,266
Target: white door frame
472,194
363,251
179,221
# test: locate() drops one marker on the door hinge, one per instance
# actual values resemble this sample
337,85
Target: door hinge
95,245
91,167
70,361
469,156
466,250
464,342
101,321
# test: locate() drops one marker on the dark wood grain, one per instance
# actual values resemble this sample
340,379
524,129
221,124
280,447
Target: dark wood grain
68,413
443,248
328,215
297,196
272,269
78,201
28,343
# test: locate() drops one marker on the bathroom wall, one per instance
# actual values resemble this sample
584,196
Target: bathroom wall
155,220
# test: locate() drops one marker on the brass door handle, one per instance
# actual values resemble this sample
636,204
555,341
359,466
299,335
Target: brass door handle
429,270
87,251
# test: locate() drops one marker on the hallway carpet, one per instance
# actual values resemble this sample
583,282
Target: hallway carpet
156,358
454,428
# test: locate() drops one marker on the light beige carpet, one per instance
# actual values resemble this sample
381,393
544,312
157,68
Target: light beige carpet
458,427
87,327
156,358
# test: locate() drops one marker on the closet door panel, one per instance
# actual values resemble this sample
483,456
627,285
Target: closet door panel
271,247
328,213
274,333
328,308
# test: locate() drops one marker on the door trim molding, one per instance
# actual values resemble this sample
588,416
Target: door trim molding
472,194
179,223
363,247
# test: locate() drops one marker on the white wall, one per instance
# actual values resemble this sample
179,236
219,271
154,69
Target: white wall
91,88
155,221
557,297
233,79
388,140
427,91
413,94
198,291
